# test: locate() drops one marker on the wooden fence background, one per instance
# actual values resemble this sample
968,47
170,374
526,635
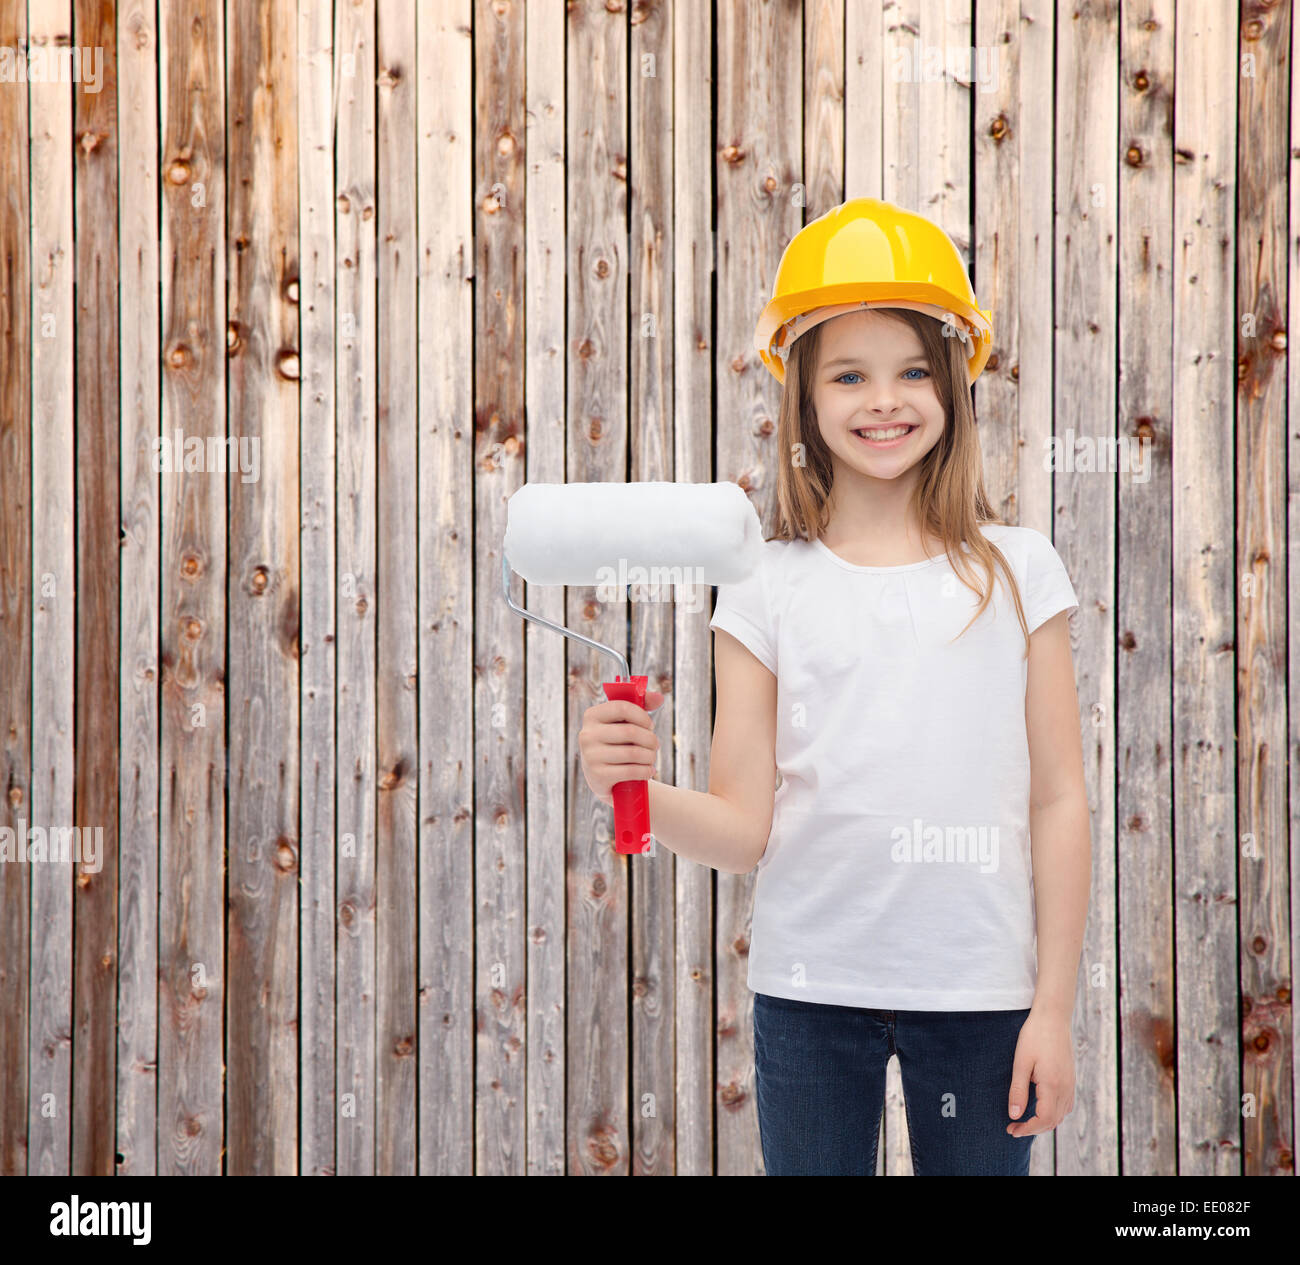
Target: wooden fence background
357,910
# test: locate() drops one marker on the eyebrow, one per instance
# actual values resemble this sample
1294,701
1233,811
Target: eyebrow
854,360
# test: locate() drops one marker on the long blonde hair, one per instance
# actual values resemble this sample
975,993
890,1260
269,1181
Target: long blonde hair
949,498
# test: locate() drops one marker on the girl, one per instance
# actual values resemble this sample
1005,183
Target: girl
902,660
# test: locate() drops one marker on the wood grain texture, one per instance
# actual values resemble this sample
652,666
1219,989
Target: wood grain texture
263,368
445,215
1082,525
140,674
192,623
599,445
545,251
15,595
1203,678
500,966
1143,807
356,559
1264,913
54,604
95,893
650,438
357,911
690,702
317,637
398,739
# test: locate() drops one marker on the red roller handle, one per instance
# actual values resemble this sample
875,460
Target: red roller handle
631,798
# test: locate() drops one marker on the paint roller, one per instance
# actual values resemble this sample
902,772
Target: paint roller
615,534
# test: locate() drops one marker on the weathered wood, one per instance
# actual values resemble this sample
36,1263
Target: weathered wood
865,77
1026,494
650,438
691,699
598,447
1205,845
824,110
759,131
54,604
15,595
544,449
1268,1141
95,895
263,372
1000,119
500,968
137,949
398,758
446,670
317,645
478,983
1143,809
191,940
355,227
1083,527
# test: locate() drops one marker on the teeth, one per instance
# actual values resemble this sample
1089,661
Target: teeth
893,433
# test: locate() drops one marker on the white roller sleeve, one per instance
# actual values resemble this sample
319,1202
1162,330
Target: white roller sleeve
598,533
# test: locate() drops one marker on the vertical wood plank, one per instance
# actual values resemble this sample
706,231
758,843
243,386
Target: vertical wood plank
53,599
823,86
760,125
318,1111
1026,496
1029,499
865,77
191,948
1083,525
262,371
598,445
15,593
500,971
692,330
1268,1142
446,672
1143,816
650,429
355,230
901,105
95,960
998,121
1205,879
1293,551
544,450
137,950
395,878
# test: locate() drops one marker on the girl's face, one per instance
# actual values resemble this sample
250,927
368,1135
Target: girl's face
877,409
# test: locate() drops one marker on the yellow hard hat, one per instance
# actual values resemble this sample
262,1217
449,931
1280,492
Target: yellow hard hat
869,253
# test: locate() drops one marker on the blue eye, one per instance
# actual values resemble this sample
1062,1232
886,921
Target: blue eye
923,372
849,374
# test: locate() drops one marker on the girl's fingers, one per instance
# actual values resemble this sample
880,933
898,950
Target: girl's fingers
621,735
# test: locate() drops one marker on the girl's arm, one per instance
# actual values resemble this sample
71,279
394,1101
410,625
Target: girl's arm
1060,828
727,827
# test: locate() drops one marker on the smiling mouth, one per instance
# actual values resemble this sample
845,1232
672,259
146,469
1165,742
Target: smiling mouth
884,434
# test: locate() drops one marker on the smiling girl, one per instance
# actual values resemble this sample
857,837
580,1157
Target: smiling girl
902,660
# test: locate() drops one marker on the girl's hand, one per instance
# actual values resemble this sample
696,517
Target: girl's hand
1044,1054
617,743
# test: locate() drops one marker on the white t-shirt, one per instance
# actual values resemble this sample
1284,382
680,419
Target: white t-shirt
897,873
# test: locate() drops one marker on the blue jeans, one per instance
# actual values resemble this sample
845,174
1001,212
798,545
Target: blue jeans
821,1088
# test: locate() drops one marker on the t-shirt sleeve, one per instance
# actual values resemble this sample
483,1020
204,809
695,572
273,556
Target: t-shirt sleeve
1047,583
743,611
